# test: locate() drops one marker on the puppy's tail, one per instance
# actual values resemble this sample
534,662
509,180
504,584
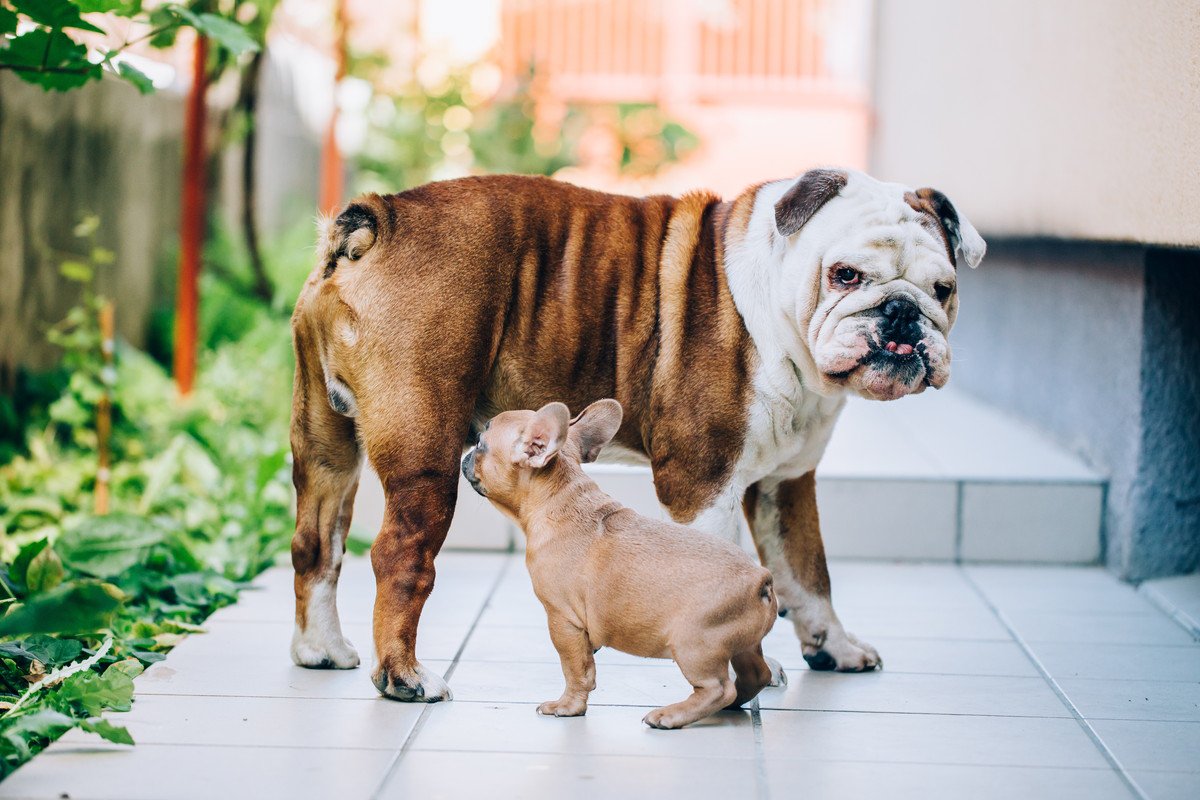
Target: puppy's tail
766,593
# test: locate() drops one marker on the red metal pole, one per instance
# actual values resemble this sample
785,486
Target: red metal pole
332,173
191,223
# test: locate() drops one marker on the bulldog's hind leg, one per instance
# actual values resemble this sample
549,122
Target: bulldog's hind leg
325,469
783,519
415,448
753,674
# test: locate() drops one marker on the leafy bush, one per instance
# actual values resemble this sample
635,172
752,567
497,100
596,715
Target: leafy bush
200,499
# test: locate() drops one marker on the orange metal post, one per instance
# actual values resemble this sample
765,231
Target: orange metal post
191,223
332,171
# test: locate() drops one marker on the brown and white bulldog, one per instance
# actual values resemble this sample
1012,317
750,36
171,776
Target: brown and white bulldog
731,332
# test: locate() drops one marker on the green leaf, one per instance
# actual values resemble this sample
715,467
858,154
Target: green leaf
54,14
105,6
135,76
94,693
106,546
227,33
50,651
49,59
45,723
75,271
20,565
8,20
117,734
75,607
45,571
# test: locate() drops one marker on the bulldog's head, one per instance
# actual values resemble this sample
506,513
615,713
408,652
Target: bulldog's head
868,272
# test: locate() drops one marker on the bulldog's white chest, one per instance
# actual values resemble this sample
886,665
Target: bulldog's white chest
788,428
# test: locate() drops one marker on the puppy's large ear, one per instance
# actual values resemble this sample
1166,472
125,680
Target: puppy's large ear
805,198
542,436
959,231
596,425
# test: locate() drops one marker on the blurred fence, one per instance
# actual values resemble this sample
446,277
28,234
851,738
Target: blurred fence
683,51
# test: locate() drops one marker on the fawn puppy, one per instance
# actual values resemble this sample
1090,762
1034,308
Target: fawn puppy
609,577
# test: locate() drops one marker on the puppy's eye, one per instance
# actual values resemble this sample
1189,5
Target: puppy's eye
943,291
847,276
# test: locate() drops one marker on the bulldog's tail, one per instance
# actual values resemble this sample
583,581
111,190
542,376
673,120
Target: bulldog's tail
351,234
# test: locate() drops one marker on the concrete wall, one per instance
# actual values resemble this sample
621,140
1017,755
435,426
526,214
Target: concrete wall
1070,118
105,150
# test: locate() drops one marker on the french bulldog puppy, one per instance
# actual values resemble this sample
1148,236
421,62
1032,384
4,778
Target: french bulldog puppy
609,577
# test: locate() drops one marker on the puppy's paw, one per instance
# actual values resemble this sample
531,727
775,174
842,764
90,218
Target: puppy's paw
778,676
315,651
843,652
663,719
416,685
563,708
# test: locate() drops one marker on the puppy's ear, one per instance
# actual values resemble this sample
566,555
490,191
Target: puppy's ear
814,189
596,425
542,436
959,231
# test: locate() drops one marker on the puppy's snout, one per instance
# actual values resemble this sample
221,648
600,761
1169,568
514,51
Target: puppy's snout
900,328
468,471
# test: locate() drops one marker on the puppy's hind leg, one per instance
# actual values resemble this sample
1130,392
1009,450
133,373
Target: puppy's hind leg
712,690
754,673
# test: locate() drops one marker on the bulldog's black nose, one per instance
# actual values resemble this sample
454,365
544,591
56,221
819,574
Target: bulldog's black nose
900,317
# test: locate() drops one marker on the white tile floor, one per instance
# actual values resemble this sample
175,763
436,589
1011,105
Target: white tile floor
1001,682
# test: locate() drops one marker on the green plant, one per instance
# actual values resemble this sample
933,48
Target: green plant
200,504
44,42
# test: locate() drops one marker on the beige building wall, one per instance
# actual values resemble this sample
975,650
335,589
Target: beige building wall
1063,118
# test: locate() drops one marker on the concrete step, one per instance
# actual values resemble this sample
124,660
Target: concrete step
938,477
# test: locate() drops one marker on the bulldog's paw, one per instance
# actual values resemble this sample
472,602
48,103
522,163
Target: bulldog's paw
417,685
563,707
323,652
778,676
843,652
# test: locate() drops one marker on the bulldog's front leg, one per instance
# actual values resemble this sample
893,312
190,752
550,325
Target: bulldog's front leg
783,519
578,666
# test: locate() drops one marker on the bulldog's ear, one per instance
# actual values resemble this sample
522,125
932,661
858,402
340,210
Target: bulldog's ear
542,436
959,231
596,425
814,189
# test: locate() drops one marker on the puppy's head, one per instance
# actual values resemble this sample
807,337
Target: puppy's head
870,273
516,446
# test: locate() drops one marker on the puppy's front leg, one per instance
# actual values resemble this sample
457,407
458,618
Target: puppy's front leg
578,666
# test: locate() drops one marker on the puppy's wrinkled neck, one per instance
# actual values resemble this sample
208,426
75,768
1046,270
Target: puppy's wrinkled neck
559,498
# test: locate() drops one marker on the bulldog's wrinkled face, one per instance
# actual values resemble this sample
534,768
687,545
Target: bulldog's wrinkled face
885,294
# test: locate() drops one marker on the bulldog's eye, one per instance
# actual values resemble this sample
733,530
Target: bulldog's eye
943,291
847,276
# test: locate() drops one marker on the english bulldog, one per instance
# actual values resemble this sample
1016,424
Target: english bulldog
731,332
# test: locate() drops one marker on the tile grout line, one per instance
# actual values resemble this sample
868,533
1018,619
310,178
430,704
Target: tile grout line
760,755
1164,604
1100,744
416,728
958,521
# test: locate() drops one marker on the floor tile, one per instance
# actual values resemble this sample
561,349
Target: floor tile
616,684
923,656
1120,662
921,518
1131,630
928,738
375,724
1169,785
151,772
1089,590
1048,522
938,781
604,730
1142,745
431,774
949,621
1159,700
1179,595
916,694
